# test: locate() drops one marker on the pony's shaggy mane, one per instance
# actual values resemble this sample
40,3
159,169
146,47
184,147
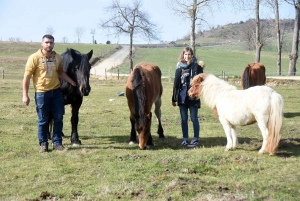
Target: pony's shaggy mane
213,89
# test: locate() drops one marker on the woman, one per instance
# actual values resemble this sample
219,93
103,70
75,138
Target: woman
187,69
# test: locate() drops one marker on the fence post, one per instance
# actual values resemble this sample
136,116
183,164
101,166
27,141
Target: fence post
3,74
105,74
118,73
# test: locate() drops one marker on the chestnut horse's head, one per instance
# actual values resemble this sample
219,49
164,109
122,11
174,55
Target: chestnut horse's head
195,90
143,126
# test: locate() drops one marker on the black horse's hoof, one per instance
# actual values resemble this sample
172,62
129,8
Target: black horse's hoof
132,142
76,143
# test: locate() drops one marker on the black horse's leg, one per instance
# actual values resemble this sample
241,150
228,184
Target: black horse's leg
50,121
132,139
74,121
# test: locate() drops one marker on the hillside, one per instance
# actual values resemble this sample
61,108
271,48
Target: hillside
238,30
244,32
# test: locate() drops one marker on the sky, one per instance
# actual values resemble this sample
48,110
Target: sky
29,20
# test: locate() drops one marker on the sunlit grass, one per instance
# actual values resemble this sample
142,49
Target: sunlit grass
105,167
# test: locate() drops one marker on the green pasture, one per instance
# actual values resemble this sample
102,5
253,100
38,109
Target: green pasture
228,58
106,168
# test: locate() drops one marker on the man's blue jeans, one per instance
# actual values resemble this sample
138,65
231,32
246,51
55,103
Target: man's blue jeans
184,120
46,102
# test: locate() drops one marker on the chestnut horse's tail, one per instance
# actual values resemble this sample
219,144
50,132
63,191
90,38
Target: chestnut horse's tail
275,123
139,94
245,77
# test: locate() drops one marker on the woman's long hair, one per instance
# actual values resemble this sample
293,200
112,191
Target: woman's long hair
186,49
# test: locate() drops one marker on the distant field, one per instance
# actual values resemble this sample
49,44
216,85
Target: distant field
228,58
106,168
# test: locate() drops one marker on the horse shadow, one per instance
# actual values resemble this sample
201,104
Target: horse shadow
288,147
291,114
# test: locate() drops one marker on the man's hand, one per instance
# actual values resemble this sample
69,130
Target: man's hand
26,100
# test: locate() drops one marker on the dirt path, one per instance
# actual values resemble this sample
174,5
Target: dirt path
114,60
284,77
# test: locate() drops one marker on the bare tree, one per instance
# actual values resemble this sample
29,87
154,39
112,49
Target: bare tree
93,32
245,5
130,20
50,30
275,6
193,10
79,31
293,56
17,39
64,39
248,33
259,44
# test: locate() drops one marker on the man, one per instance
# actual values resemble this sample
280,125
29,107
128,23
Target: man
45,66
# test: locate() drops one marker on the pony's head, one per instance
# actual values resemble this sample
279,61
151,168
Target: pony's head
143,126
78,68
195,90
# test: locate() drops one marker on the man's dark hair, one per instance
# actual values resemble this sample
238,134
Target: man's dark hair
48,36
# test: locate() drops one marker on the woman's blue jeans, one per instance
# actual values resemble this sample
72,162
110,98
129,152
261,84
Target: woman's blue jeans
184,120
46,102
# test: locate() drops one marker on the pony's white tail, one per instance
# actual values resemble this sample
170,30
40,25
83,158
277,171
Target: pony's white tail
275,123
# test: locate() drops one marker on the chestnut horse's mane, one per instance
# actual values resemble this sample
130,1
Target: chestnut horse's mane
138,80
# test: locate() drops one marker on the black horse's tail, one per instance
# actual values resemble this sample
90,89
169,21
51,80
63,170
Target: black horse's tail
245,78
138,80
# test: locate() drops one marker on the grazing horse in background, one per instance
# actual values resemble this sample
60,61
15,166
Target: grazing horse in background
234,107
143,89
254,74
77,67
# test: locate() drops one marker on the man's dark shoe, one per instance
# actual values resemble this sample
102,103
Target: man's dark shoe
59,148
44,147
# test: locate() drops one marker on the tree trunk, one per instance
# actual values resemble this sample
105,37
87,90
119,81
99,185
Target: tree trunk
130,51
279,46
257,41
294,53
193,13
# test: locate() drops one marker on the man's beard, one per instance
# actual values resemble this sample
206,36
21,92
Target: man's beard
48,49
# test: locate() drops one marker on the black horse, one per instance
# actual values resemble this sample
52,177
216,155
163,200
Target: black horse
77,67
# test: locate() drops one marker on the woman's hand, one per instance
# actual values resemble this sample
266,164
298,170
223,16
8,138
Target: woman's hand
174,104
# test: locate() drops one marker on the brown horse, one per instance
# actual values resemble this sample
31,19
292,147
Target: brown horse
143,89
254,74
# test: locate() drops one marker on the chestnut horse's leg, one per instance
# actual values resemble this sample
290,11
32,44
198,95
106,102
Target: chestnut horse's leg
157,111
74,121
132,139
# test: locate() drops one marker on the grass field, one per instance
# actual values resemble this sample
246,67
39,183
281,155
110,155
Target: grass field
105,167
228,58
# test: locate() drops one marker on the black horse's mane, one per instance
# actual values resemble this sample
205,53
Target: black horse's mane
73,60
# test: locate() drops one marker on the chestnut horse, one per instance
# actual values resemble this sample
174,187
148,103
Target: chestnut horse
254,74
143,89
234,107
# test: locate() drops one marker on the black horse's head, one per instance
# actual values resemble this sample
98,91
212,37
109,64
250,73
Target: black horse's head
78,67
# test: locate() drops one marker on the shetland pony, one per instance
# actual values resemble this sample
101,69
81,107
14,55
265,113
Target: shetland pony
253,75
143,89
234,107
